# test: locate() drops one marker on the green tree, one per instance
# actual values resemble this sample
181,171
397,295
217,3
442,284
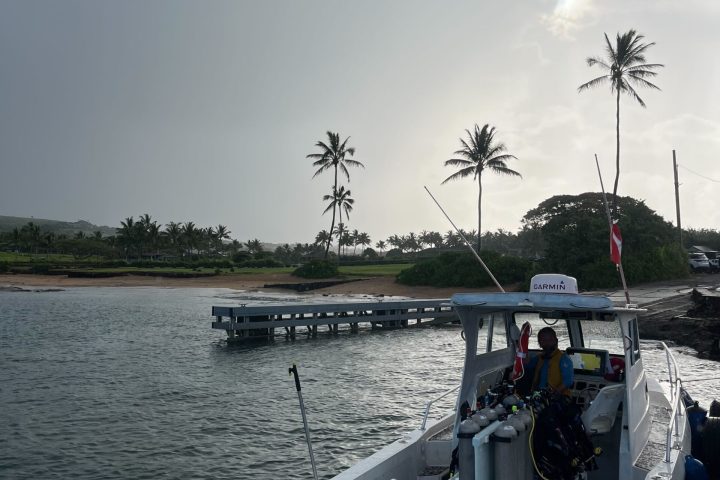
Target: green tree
480,153
575,232
340,200
625,67
381,245
333,155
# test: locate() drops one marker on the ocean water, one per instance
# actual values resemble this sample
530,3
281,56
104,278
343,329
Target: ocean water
133,383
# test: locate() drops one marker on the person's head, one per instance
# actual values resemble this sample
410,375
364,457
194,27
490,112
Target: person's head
547,339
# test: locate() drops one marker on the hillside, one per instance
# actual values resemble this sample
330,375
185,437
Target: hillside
7,224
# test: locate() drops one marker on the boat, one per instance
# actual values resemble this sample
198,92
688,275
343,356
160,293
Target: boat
627,425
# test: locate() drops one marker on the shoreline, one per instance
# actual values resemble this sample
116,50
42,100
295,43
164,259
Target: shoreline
373,286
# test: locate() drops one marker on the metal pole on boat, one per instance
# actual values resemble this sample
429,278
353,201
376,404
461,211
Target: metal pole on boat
293,371
466,242
610,225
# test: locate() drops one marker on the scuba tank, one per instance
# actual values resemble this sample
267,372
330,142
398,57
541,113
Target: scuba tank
466,456
520,446
505,440
490,413
526,417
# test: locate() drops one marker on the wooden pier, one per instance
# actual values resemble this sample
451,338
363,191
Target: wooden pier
261,321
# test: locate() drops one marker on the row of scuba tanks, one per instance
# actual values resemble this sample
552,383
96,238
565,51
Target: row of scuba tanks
506,452
509,456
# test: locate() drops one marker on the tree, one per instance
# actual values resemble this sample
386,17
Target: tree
323,237
127,235
574,229
254,246
173,234
482,152
340,200
333,155
625,66
381,246
221,233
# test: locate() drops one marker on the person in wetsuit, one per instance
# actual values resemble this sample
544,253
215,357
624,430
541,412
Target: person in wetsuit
552,367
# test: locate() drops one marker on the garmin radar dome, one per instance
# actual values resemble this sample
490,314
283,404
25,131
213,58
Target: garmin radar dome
553,283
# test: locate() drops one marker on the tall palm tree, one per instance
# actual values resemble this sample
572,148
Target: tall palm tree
333,155
482,152
340,200
625,66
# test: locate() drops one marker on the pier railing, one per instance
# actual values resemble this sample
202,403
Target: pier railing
261,320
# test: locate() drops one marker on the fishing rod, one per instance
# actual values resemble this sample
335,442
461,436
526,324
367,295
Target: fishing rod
294,371
610,224
466,242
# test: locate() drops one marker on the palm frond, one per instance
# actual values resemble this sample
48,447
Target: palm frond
631,91
597,61
504,171
344,170
593,83
458,162
353,163
642,82
460,174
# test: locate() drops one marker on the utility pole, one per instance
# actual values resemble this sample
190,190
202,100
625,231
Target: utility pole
677,199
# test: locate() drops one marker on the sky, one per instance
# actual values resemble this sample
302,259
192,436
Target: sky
205,111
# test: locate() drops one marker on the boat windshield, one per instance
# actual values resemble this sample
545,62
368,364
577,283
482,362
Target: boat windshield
595,334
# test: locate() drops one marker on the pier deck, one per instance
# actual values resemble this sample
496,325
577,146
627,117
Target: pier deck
258,321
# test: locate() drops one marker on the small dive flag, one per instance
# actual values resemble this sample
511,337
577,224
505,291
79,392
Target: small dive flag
615,244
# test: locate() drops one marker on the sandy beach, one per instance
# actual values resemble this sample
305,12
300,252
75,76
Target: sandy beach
364,286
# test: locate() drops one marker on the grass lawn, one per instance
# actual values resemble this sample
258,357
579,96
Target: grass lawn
12,257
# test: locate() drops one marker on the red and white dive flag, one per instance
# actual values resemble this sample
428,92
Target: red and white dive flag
615,244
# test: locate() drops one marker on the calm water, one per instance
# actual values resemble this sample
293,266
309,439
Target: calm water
133,383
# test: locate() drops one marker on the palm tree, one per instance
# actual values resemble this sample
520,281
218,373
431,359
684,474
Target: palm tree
221,233
323,237
625,66
173,233
127,234
254,246
380,245
482,152
341,200
333,155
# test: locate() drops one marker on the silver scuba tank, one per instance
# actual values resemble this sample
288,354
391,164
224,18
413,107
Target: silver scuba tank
521,448
505,458
466,456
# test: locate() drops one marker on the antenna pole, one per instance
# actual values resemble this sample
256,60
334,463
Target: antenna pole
610,224
466,242
677,199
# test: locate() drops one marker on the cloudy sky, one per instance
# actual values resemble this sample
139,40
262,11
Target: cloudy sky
204,111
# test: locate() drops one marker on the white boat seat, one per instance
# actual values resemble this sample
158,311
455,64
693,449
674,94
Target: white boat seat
600,416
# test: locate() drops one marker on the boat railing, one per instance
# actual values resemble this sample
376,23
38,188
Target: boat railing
675,400
429,404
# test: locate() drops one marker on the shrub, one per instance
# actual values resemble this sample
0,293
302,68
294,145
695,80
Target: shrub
317,269
40,269
463,270
4,267
262,263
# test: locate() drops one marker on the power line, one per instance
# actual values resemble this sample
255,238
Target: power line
700,174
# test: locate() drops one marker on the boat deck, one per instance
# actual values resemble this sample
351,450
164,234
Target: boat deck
654,451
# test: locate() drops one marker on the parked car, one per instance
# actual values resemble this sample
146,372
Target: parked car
714,259
698,261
